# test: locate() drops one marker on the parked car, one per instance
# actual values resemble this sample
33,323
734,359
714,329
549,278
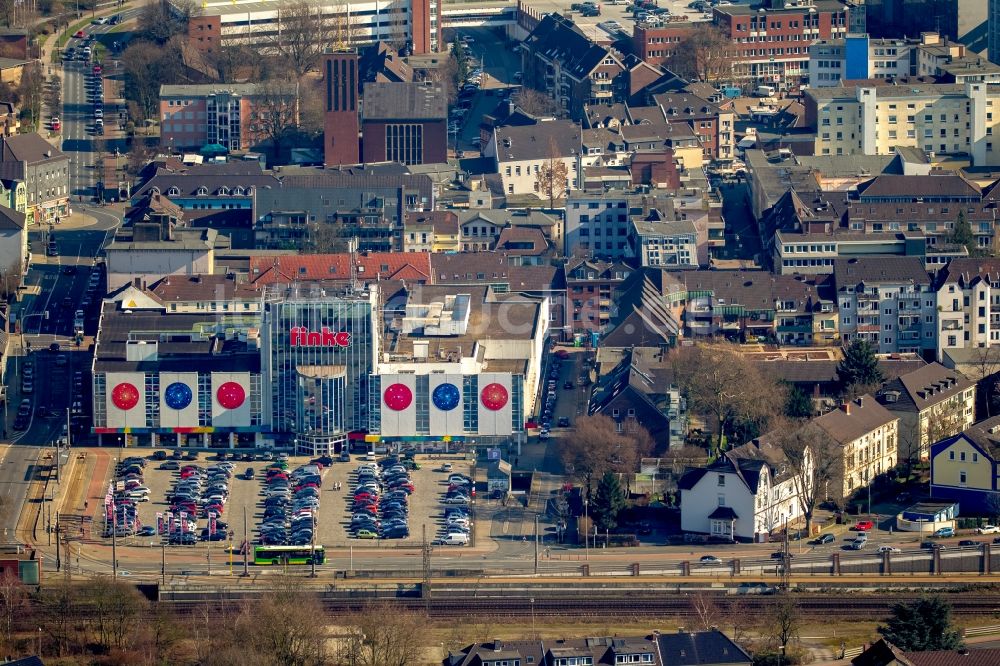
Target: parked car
889,549
864,525
823,539
944,532
988,529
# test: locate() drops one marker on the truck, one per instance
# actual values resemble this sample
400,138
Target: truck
765,91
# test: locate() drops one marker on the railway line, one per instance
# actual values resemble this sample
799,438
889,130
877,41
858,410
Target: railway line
635,606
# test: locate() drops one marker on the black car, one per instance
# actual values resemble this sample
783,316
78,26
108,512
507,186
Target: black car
183,539
563,422
218,535
325,461
969,543
396,533
159,455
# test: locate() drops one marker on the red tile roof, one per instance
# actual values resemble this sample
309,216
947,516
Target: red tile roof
410,266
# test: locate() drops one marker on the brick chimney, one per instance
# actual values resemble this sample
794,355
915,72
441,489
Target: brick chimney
846,406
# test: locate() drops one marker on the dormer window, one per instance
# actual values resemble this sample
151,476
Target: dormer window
173,192
223,190
202,191
154,190
238,191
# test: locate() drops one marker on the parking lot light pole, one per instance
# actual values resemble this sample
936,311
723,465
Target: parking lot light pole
246,544
586,532
312,548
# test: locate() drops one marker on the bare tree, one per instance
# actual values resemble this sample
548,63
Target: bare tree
301,37
275,113
382,635
707,611
719,382
595,447
553,176
985,362
815,462
115,612
147,66
706,54
32,92
59,605
535,103
13,604
784,623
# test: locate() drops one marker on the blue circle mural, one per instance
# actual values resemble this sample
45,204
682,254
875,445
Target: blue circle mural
178,396
446,397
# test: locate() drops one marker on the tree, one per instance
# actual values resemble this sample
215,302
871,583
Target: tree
590,450
719,382
535,103
986,364
553,176
798,404
159,23
922,625
13,604
706,54
31,91
116,610
276,113
147,66
785,623
383,635
301,37
858,371
608,502
814,460
961,234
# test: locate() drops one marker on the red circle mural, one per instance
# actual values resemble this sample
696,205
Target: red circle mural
494,396
125,396
398,397
231,395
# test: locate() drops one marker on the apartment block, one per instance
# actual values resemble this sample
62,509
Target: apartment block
887,301
946,119
968,305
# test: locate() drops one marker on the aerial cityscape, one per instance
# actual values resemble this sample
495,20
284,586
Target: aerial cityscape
499,332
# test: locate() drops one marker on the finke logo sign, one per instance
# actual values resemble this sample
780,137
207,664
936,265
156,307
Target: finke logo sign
303,337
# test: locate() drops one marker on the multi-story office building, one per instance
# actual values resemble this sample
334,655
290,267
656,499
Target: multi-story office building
416,23
236,116
665,243
887,301
772,38
857,58
948,119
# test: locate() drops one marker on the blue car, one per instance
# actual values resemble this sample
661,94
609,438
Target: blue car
943,532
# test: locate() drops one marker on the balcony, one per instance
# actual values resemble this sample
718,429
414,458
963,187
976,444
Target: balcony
868,328
867,297
795,328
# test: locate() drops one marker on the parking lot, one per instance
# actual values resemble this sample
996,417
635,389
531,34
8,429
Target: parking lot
333,516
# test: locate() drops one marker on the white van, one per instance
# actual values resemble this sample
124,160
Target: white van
765,91
455,539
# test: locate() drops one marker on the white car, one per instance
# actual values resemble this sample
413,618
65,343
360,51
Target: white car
988,529
458,479
889,549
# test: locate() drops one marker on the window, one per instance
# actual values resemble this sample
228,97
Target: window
722,500
722,480
961,477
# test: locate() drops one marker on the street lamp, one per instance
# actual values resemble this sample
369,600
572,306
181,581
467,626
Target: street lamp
586,531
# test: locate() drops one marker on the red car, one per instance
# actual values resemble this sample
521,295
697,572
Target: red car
864,525
56,124
79,34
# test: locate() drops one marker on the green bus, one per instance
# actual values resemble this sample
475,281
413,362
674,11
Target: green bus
288,555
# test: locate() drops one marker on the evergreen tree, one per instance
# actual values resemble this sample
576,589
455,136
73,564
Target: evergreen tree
609,500
923,625
962,234
859,366
798,404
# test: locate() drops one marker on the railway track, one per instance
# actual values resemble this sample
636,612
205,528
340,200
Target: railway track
638,606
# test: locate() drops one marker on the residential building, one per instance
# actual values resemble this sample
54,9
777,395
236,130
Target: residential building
966,468
434,231
867,436
968,305
814,253
659,241
639,392
645,314
683,648
237,116
592,288
598,224
959,20
772,39
858,57
884,653
481,227
44,170
150,251
712,124
932,403
887,301
947,119
745,495
953,62
13,248
10,122
754,306
993,40
221,23
520,152
405,122
559,60
924,204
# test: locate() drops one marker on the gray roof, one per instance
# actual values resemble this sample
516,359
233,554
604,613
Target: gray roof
923,388
30,148
848,273
865,416
557,39
404,101
534,142
937,184
11,220
846,166
206,89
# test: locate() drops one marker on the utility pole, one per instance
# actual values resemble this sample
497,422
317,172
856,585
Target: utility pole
163,561
536,543
426,554
312,547
586,532
246,544
114,549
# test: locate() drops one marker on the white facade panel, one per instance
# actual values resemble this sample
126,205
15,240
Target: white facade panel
445,405
494,403
178,399
126,399
230,399
399,414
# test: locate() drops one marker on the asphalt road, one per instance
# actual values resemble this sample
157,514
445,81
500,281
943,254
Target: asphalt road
16,470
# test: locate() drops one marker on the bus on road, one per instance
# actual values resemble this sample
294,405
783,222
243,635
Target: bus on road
273,555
